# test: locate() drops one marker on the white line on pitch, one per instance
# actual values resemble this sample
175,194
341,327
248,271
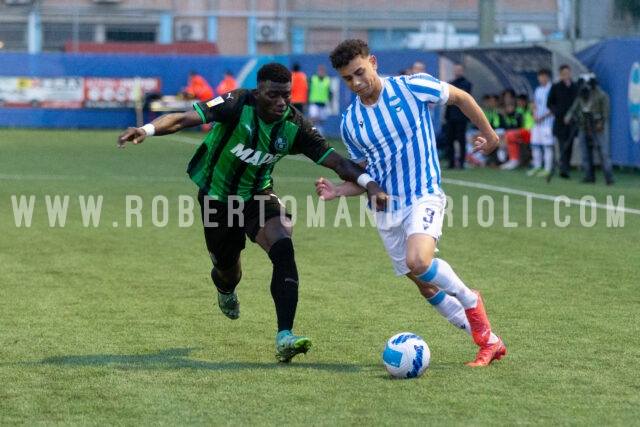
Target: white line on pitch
534,195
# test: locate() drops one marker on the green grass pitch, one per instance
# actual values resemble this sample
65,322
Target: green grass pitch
116,325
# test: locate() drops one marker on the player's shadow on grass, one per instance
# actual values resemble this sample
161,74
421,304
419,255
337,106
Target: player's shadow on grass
178,358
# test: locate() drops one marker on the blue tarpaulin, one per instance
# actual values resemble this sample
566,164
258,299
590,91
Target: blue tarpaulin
616,63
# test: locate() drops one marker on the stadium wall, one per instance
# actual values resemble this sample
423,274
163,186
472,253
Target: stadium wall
172,70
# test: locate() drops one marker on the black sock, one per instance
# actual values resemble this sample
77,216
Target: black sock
284,283
220,284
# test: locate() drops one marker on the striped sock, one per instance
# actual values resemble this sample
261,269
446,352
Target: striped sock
451,309
442,275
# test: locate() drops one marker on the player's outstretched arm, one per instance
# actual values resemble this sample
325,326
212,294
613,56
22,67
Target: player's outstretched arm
327,190
488,140
354,173
163,125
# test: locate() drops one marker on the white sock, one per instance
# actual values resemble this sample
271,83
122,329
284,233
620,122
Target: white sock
548,157
536,156
493,338
451,309
442,275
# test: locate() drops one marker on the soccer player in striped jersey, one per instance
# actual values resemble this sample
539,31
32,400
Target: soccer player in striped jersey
388,129
232,169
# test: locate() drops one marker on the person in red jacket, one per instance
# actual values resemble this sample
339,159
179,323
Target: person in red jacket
198,87
227,84
299,88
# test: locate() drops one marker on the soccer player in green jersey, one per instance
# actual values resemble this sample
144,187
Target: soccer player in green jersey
253,129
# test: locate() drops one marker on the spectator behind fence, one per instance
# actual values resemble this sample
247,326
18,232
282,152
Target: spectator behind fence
512,123
561,97
198,88
515,138
418,67
541,133
495,119
456,121
507,97
319,97
227,84
299,88
591,111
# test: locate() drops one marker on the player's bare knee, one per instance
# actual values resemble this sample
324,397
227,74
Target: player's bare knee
274,230
418,264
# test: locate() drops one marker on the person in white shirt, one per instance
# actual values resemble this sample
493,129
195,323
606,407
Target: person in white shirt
542,131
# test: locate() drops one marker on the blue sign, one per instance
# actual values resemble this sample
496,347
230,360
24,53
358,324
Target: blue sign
634,102
618,72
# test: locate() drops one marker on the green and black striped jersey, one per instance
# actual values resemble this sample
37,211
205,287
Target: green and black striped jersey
238,155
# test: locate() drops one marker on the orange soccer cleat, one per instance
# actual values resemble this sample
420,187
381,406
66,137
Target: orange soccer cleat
488,353
480,326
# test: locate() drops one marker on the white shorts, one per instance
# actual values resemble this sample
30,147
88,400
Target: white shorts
425,216
541,135
318,111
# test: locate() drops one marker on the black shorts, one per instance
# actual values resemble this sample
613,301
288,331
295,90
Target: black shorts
225,230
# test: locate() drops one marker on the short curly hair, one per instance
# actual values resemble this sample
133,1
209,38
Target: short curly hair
274,72
346,51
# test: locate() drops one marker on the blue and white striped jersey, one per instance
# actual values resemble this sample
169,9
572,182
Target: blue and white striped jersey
396,136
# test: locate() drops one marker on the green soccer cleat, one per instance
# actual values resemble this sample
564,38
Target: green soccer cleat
229,305
288,345
533,171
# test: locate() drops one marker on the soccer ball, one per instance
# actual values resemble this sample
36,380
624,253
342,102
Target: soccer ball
406,355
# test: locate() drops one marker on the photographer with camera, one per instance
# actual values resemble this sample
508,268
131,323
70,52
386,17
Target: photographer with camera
591,112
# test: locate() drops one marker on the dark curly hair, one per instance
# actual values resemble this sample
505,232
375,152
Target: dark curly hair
346,51
274,72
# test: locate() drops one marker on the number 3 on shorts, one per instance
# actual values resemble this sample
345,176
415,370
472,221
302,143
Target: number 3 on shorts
427,219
